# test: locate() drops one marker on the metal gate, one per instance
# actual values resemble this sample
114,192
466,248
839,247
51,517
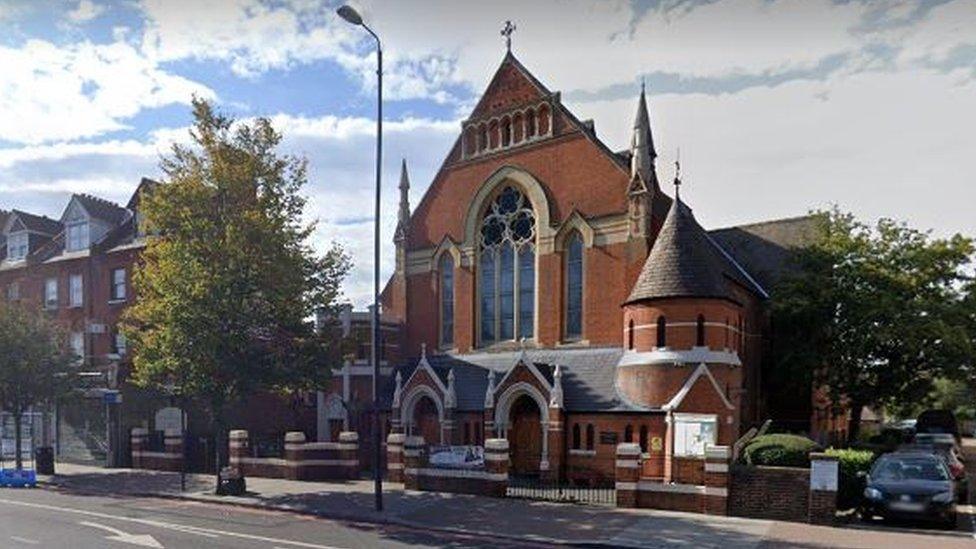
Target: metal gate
561,492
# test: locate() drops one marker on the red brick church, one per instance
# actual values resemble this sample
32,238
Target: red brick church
554,292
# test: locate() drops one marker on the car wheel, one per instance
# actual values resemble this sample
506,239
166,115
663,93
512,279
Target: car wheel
950,522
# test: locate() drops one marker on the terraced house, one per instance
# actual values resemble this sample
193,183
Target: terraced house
556,293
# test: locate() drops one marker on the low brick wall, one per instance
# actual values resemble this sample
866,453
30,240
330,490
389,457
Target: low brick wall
302,461
171,459
490,481
709,495
778,493
688,470
394,457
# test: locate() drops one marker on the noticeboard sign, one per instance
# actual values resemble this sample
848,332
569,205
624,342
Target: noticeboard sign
457,457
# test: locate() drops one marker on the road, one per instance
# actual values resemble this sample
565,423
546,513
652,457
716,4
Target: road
51,519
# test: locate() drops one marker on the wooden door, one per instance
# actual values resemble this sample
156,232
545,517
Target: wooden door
525,436
426,422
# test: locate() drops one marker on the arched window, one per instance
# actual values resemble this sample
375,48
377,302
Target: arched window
643,438
506,132
447,299
544,120
589,436
629,433
576,436
700,331
530,124
662,336
574,287
507,268
630,334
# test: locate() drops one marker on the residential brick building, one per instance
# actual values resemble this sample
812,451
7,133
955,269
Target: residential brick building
553,292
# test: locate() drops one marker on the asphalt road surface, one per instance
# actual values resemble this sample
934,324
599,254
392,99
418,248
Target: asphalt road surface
50,519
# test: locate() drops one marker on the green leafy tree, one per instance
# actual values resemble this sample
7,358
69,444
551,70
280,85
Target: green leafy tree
872,314
36,364
227,288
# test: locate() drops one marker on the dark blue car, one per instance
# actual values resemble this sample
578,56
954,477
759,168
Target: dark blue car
910,485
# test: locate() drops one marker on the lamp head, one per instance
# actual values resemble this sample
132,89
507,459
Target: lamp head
349,13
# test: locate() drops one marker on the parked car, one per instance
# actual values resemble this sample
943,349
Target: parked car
951,457
937,421
910,484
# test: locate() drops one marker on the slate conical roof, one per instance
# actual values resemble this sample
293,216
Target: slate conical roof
683,262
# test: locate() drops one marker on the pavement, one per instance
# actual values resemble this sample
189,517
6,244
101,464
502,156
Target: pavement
479,518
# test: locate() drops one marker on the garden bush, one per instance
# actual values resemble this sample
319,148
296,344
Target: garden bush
780,450
849,484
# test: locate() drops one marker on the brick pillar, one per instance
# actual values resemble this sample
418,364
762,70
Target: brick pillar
394,457
238,448
138,439
349,453
173,441
294,454
556,436
627,473
824,471
413,459
717,480
496,465
449,427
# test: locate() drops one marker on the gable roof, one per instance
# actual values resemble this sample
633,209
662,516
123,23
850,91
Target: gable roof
102,209
146,185
37,223
765,249
588,376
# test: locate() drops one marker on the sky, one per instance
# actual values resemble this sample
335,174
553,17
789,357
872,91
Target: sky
778,107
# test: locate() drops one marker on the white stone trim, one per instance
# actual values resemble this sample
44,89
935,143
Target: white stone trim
496,457
413,453
627,464
716,467
671,488
391,449
702,370
717,452
456,473
277,462
236,444
497,444
323,462
717,491
396,438
628,449
625,485
321,446
582,453
665,355
396,466
158,455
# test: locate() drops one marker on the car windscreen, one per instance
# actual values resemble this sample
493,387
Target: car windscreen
894,468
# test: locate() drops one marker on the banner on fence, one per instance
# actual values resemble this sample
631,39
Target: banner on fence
457,457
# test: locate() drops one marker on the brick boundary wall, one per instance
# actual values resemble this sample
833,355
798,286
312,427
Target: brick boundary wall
490,481
709,497
394,457
777,493
169,460
302,461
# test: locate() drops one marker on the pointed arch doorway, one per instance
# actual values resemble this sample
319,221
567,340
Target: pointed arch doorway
524,435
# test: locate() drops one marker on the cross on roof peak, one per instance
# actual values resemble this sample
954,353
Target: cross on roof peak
507,31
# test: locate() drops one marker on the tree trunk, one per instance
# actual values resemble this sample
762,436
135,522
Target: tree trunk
18,439
854,423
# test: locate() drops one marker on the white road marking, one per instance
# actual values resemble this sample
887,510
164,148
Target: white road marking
25,540
196,530
142,540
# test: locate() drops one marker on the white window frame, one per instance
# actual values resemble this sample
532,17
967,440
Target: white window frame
18,245
77,236
76,290
51,293
119,343
78,346
690,440
117,284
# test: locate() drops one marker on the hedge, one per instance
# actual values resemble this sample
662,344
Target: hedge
850,485
779,450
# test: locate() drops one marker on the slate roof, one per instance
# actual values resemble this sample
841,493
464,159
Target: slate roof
764,249
38,224
145,185
99,208
686,262
588,376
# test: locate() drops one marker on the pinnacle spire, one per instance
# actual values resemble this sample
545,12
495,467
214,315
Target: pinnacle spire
403,214
642,143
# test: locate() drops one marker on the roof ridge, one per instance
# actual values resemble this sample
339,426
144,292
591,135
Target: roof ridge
765,222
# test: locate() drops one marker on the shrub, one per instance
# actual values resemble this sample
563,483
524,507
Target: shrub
849,484
779,450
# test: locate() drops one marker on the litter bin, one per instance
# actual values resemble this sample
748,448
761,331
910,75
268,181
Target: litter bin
232,482
44,460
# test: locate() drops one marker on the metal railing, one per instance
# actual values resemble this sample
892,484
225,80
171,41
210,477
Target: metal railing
561,492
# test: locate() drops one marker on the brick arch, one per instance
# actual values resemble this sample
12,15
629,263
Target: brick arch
503,409
409,406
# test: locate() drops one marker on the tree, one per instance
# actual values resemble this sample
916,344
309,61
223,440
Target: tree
227,288
36,365
872,314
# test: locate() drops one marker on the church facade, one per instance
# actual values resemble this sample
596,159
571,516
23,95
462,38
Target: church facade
550,291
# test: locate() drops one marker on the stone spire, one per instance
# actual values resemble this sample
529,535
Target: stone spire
642,144
490,391
450,399
397,392
556,395
403,214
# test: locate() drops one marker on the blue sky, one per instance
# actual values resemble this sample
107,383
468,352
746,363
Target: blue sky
778,106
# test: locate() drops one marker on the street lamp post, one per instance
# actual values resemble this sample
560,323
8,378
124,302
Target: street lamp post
353,17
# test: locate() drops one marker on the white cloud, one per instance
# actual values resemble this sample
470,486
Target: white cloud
85,11
52,93
944,29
